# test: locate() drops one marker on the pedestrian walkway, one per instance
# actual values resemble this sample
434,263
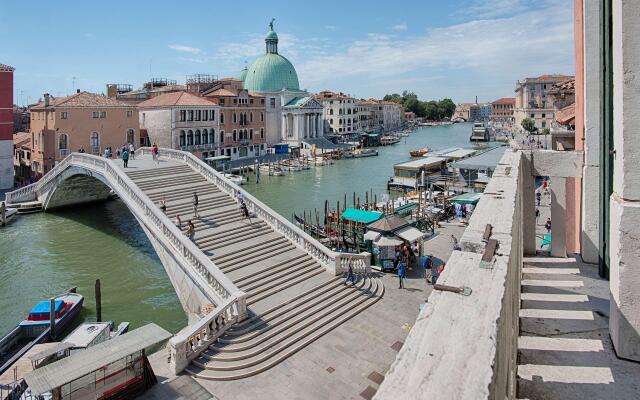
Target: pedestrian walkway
564,349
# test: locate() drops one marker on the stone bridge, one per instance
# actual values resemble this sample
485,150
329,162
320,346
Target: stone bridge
255,291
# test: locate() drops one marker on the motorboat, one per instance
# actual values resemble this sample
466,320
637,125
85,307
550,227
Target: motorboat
237,179
274,170
36,327
419,153
389,140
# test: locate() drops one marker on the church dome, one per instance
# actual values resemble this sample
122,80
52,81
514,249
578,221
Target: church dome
243,74
271,72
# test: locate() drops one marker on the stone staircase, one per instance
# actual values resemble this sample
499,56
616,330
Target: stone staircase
291,299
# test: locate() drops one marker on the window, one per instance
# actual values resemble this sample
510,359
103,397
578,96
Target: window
235,118
272,102
96,114
533,115
198,115
250,101
222,118
235,150
261,101
205,115
129,113
183,115
212,134
95,142
190,138
103,114
190,115
251,134
221,137
544,124
250,117
63,115
543,115
212,115
183,138
221,102
63,141
261,116
197,137
235,135
205,137
261,133
130,136
143,117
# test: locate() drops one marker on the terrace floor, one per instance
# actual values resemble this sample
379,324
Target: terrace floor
565,351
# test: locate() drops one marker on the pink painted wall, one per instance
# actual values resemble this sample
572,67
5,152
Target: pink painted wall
574,185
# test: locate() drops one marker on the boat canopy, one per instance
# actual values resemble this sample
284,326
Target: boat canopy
363,216
43,308
466,198
405,209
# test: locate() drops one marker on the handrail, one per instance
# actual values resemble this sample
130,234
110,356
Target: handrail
334,262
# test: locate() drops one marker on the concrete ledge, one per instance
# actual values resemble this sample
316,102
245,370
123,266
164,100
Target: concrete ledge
465,347
565,164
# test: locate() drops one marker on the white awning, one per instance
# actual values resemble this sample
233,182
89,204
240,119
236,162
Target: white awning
387,241
410,234
372,235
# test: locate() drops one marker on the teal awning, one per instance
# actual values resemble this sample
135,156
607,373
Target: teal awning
363,216
466,198
405,209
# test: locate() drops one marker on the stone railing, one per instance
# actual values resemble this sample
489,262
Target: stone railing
465,346
29,192
210,280
335,263
187,344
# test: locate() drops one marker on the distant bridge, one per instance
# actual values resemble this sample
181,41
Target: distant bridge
255,293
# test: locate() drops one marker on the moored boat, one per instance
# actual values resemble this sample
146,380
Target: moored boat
237,179
36,327
389,139
419,153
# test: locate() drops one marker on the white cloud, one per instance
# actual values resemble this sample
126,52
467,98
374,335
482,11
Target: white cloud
539,41
330,27
184,49
483,9
400,27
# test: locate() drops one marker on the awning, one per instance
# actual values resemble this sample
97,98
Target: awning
410,234
363,216
372,235
388,241
466,198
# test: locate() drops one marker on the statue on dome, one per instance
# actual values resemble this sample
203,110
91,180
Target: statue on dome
271,23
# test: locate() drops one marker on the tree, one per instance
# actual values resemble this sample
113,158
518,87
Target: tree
433,110
546,131
529,125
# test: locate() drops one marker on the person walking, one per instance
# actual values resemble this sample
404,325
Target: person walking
178,222
436,274
547,225
244,210
538,198
191,230
132,151
195,205
454,242
125,158
402,273
154,153
163,204
351,277
537,214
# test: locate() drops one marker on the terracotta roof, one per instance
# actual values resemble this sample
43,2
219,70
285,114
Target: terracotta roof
567,115
20,138
505,100
175,99
84,99
6,68
221,92
564,86
329,95
553,77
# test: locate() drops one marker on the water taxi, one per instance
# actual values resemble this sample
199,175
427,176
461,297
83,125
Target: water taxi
389,140
419,153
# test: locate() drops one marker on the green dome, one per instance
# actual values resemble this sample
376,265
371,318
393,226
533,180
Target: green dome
243,74
271,35
271,73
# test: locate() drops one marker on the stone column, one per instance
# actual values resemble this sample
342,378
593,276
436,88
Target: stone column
528,208
285,126
624,229
558,212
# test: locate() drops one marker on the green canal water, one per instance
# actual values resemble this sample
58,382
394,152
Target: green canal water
44,254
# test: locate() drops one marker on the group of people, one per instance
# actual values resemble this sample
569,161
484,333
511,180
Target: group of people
427,265
463,210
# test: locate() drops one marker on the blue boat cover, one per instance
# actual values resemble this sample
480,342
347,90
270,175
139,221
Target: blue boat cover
363,216
43,307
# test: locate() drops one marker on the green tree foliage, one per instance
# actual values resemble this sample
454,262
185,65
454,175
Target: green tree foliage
433,110
529,125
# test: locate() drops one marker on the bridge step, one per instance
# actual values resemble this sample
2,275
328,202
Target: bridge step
156,172
223,367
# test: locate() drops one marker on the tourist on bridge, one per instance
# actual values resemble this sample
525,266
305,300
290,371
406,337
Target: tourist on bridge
538,198
402,274
132,151
191,230
125,158
547,225
244,210
351,277
163,204
178,222
195,205
154,153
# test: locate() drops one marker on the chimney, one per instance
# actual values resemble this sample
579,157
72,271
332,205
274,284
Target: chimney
46,99
476,99
77,90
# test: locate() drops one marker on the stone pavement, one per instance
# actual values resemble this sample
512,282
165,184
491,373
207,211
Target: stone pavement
348,363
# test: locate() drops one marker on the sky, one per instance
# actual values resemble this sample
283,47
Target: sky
456,48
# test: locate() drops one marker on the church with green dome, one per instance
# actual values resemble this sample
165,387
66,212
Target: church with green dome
292,115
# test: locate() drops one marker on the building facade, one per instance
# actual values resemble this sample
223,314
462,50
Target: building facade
6,126
22,158
502,111
242,119
87,121
184,121
291,114
532,100
391,115
340,113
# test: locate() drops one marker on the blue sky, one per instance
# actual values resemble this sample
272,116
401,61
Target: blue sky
456,49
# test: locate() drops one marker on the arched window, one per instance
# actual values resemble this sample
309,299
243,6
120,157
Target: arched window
261,133
212,135
221,136
95,142
63,141
222,118
235,135
331,121
205,136
197,138
130,136
251,117
251,134
183,139
331,111
190,138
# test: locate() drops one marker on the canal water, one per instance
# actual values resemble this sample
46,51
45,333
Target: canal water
44,254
